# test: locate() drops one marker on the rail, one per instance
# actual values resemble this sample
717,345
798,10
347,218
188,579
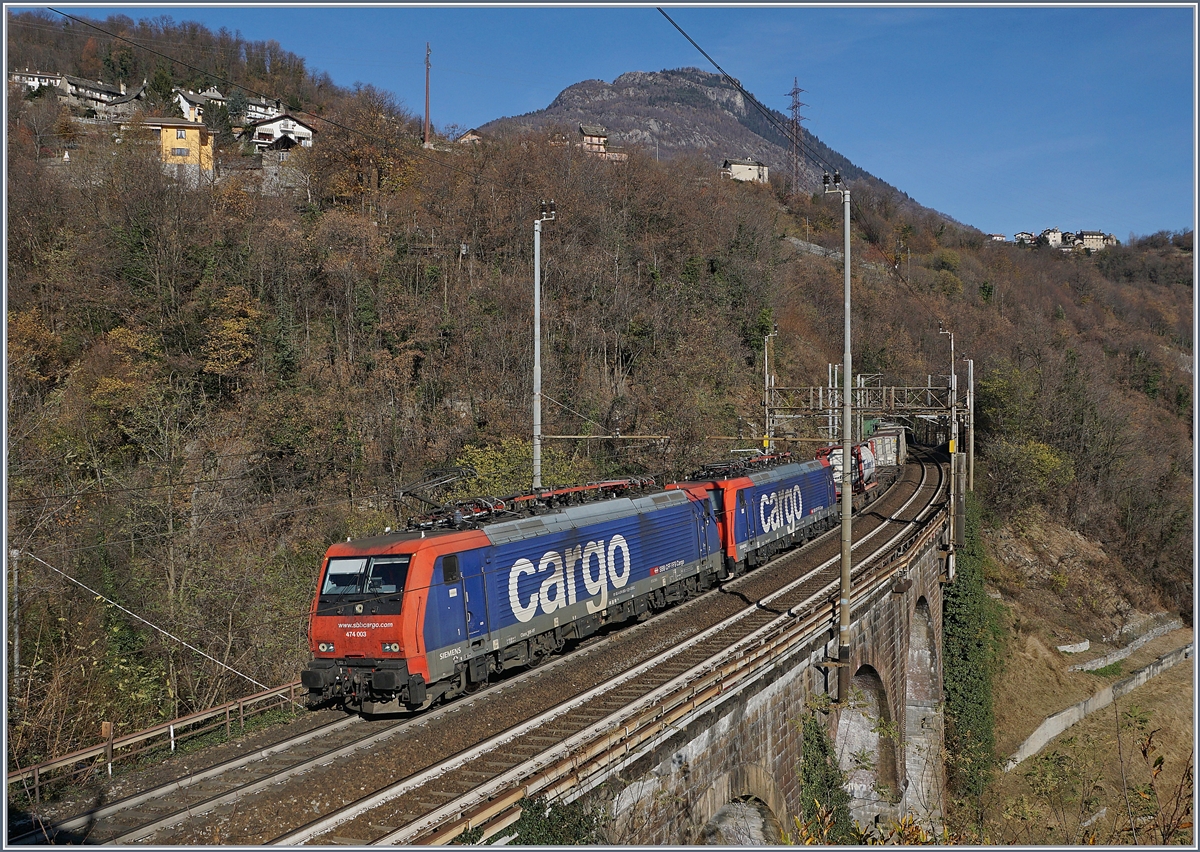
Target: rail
85,761
584,759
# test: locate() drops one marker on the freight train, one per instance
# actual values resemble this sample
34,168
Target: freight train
408,618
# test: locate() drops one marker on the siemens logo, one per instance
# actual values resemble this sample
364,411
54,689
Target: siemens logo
597,564
781,508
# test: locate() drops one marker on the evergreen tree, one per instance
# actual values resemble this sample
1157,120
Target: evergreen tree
160,93
119,64
238,104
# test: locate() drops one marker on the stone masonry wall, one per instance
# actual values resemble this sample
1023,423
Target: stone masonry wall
748,742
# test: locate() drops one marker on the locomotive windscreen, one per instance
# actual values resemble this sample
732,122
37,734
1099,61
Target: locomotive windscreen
365,575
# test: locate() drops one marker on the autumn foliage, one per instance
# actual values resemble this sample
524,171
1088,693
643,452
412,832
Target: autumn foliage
208,384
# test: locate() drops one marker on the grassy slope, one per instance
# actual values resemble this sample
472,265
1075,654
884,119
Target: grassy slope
1035,683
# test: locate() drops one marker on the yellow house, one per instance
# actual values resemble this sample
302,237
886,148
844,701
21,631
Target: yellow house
180,142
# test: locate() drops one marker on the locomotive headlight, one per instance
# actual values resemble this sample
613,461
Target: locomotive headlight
391,647
325,647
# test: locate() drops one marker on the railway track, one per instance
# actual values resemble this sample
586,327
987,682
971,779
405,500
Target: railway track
561,748
415,779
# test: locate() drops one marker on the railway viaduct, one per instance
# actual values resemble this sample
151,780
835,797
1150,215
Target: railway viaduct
745,747
692,737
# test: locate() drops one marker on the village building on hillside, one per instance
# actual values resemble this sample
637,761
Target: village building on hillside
186,148
192,105
1096,240
471,137
747,170
595,142
91,95
95,98
278,133
595,138
125,106
34,80
998,238
1066,240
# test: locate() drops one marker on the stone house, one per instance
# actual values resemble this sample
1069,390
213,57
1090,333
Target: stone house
1096,240
125,106
748,169
91,95
595,142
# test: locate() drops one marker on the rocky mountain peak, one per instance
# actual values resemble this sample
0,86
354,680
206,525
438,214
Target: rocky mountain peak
680,110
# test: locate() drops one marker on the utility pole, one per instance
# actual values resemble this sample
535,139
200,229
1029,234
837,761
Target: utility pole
955,532
768,383
546,214
847,541
428,142
794,160
970,424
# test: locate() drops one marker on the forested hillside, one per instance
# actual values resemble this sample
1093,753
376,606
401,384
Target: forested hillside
207,385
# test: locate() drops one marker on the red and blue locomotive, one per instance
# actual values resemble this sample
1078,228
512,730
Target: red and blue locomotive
404,619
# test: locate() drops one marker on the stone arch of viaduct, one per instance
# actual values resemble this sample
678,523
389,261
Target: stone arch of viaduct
746,746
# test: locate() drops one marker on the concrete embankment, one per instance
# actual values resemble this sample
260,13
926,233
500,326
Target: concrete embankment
1108,659
1060,721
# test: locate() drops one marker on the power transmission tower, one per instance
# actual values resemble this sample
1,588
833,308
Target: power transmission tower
794,132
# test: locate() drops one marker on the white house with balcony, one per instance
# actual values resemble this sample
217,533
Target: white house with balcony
277,133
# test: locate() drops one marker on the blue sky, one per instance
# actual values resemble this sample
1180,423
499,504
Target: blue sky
1005,118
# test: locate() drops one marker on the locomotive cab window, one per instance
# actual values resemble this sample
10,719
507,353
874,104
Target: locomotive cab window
450,572
342,576
387,575
364,575
716,501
